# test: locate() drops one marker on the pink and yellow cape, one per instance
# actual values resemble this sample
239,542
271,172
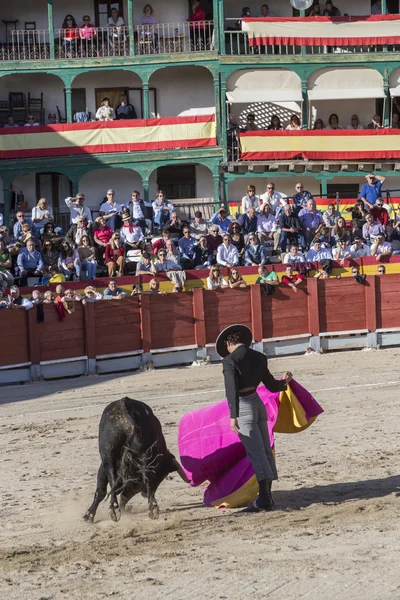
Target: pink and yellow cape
210,451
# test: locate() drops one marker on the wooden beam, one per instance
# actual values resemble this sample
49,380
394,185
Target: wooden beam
90,329
256,312
198,316
313,307
370,303
145,322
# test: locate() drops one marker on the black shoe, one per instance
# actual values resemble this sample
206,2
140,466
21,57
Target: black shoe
254,508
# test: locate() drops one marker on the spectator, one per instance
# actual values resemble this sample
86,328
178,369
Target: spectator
161,242
380,213
321,255
237,239
334,122
220,219
26,234
355,230
111,211
69,35
6,277
163,265
341,252
267,281
149,31
233,137
52,118
203,255
358,249
174,226
29,262
376,122
291,279
315,10
112,292
395,121
381,270
78,209
265,12
394,237
173,253
198,226
376,8
255,253
86,256
136,289
131,235
102,234
359,213
68,261
48,297
77,231
186,245
141,211
145,266
49,254
355,123
215,279
42,214
275,123
69,299
125,110
154,286
105,112
311,222
214,240
300,198
50,235
162,210
330,216
10,122
319,125
250,200
60,293
371,229
251,122
331,9
294,256
31,122
90,294
114,256
197,26
290,227
246,12
235,280
340,231
275,200
55,275
21,219
87,32
227,254
266,226
381,249
294,123
15,300
248,223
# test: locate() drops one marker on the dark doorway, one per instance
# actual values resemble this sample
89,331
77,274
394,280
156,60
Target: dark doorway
177,182
346,190
102,10
208,7
55,187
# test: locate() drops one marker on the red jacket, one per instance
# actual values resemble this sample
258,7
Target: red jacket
112,255
381,215
198,17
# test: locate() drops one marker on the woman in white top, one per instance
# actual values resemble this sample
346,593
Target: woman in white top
115,20
294,123
250,200
105,112
42,214
355,123
215,279
293,256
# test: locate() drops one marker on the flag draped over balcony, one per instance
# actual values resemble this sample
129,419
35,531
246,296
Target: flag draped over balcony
114,136
324,31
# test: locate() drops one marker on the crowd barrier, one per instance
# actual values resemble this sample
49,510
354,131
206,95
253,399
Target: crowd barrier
175,329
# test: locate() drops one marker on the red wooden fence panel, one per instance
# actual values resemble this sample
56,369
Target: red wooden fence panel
225,307
342,305
117,326
285,312
388,301
172,321
14,347
60,339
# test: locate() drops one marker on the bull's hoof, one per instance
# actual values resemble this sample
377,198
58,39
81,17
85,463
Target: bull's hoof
154,513
115,513
88,517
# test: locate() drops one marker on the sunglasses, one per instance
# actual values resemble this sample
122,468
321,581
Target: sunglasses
162,254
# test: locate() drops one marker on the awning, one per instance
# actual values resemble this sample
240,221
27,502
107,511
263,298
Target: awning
345,94
345,83
263,85
243,97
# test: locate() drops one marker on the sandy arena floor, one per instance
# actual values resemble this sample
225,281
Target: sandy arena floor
335,533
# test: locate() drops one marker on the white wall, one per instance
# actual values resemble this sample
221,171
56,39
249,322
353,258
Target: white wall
173,11
106,79
51,86
204,182
96,183
182,88
283,8
365,109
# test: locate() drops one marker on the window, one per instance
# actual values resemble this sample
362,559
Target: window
102,11
55,187
177,182
346,190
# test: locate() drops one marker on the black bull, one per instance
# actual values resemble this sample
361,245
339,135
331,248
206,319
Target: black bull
134,457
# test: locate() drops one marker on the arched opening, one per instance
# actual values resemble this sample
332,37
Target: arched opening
183,91
394,89
94,184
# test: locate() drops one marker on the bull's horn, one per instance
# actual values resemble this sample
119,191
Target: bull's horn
180,470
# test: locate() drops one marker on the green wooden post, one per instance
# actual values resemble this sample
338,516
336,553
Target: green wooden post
384,7
221,27
303,48
304,105
145,184
51,27
68,102
6,180
224,118
217,192
324,187
146,107
131,29
216,25
217,101
386,115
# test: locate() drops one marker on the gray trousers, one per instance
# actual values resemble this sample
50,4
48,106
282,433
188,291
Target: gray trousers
254,436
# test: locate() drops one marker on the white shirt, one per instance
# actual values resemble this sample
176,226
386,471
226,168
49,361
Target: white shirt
290,259
383,248
105,113
266,224
275,201
136,208
158,207
339,254
134,236
108,208
211,284
38,213
120,22
359,126
359,252
168,265
77,210
250,202
227,255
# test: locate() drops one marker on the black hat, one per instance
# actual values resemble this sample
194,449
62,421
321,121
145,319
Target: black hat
220,344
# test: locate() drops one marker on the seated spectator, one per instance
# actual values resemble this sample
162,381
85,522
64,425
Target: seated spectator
161,242
341,252
355,230
186,246
330,217
319,125
203,255
291,279
162,210
215,279
319,254
340,231
371,229
111,211
220,219
290,227
6,277
267,281
255,253
358,249
275,199
131,235
174,226
141,211
90,294
26,234
376,8
359,213
76,232
68,261
78,209
380,213
136,289
102,234
198,226
300,198
381,270
21,219
55,275
52,118
30,263
251,122
105,112
48,297
376,122
248,222
15,300
173,252
250,200
87,34
50,235
214,239
154,286
69,35
372,190
49,254
163,265
237,239
331,9
31,122
334,122
355,123
149,20
86,255
395,122
294,256
294,123
114,256
246,12
275,123
10,122
125,110
69,299
42,214
311,223
235,280
266,226
145,266
227,254
112,292
381,249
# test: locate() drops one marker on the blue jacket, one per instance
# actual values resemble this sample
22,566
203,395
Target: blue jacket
29,260
248,225
256,254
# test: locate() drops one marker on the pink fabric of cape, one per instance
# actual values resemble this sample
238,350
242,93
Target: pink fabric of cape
210,451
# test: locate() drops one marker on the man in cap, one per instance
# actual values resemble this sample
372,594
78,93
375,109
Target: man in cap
244,369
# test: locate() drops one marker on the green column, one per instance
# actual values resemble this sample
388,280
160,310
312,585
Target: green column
145,184
217,25
217,192
224,118
131,29
217,101
221,27
6,181
384,7
303,48
146,107
68,102
386,115
51,27
324,187
304,105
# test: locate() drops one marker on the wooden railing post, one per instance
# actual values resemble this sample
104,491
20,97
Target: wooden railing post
89,317
34,343
145,322
313,313
198,316
256,312
371,311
